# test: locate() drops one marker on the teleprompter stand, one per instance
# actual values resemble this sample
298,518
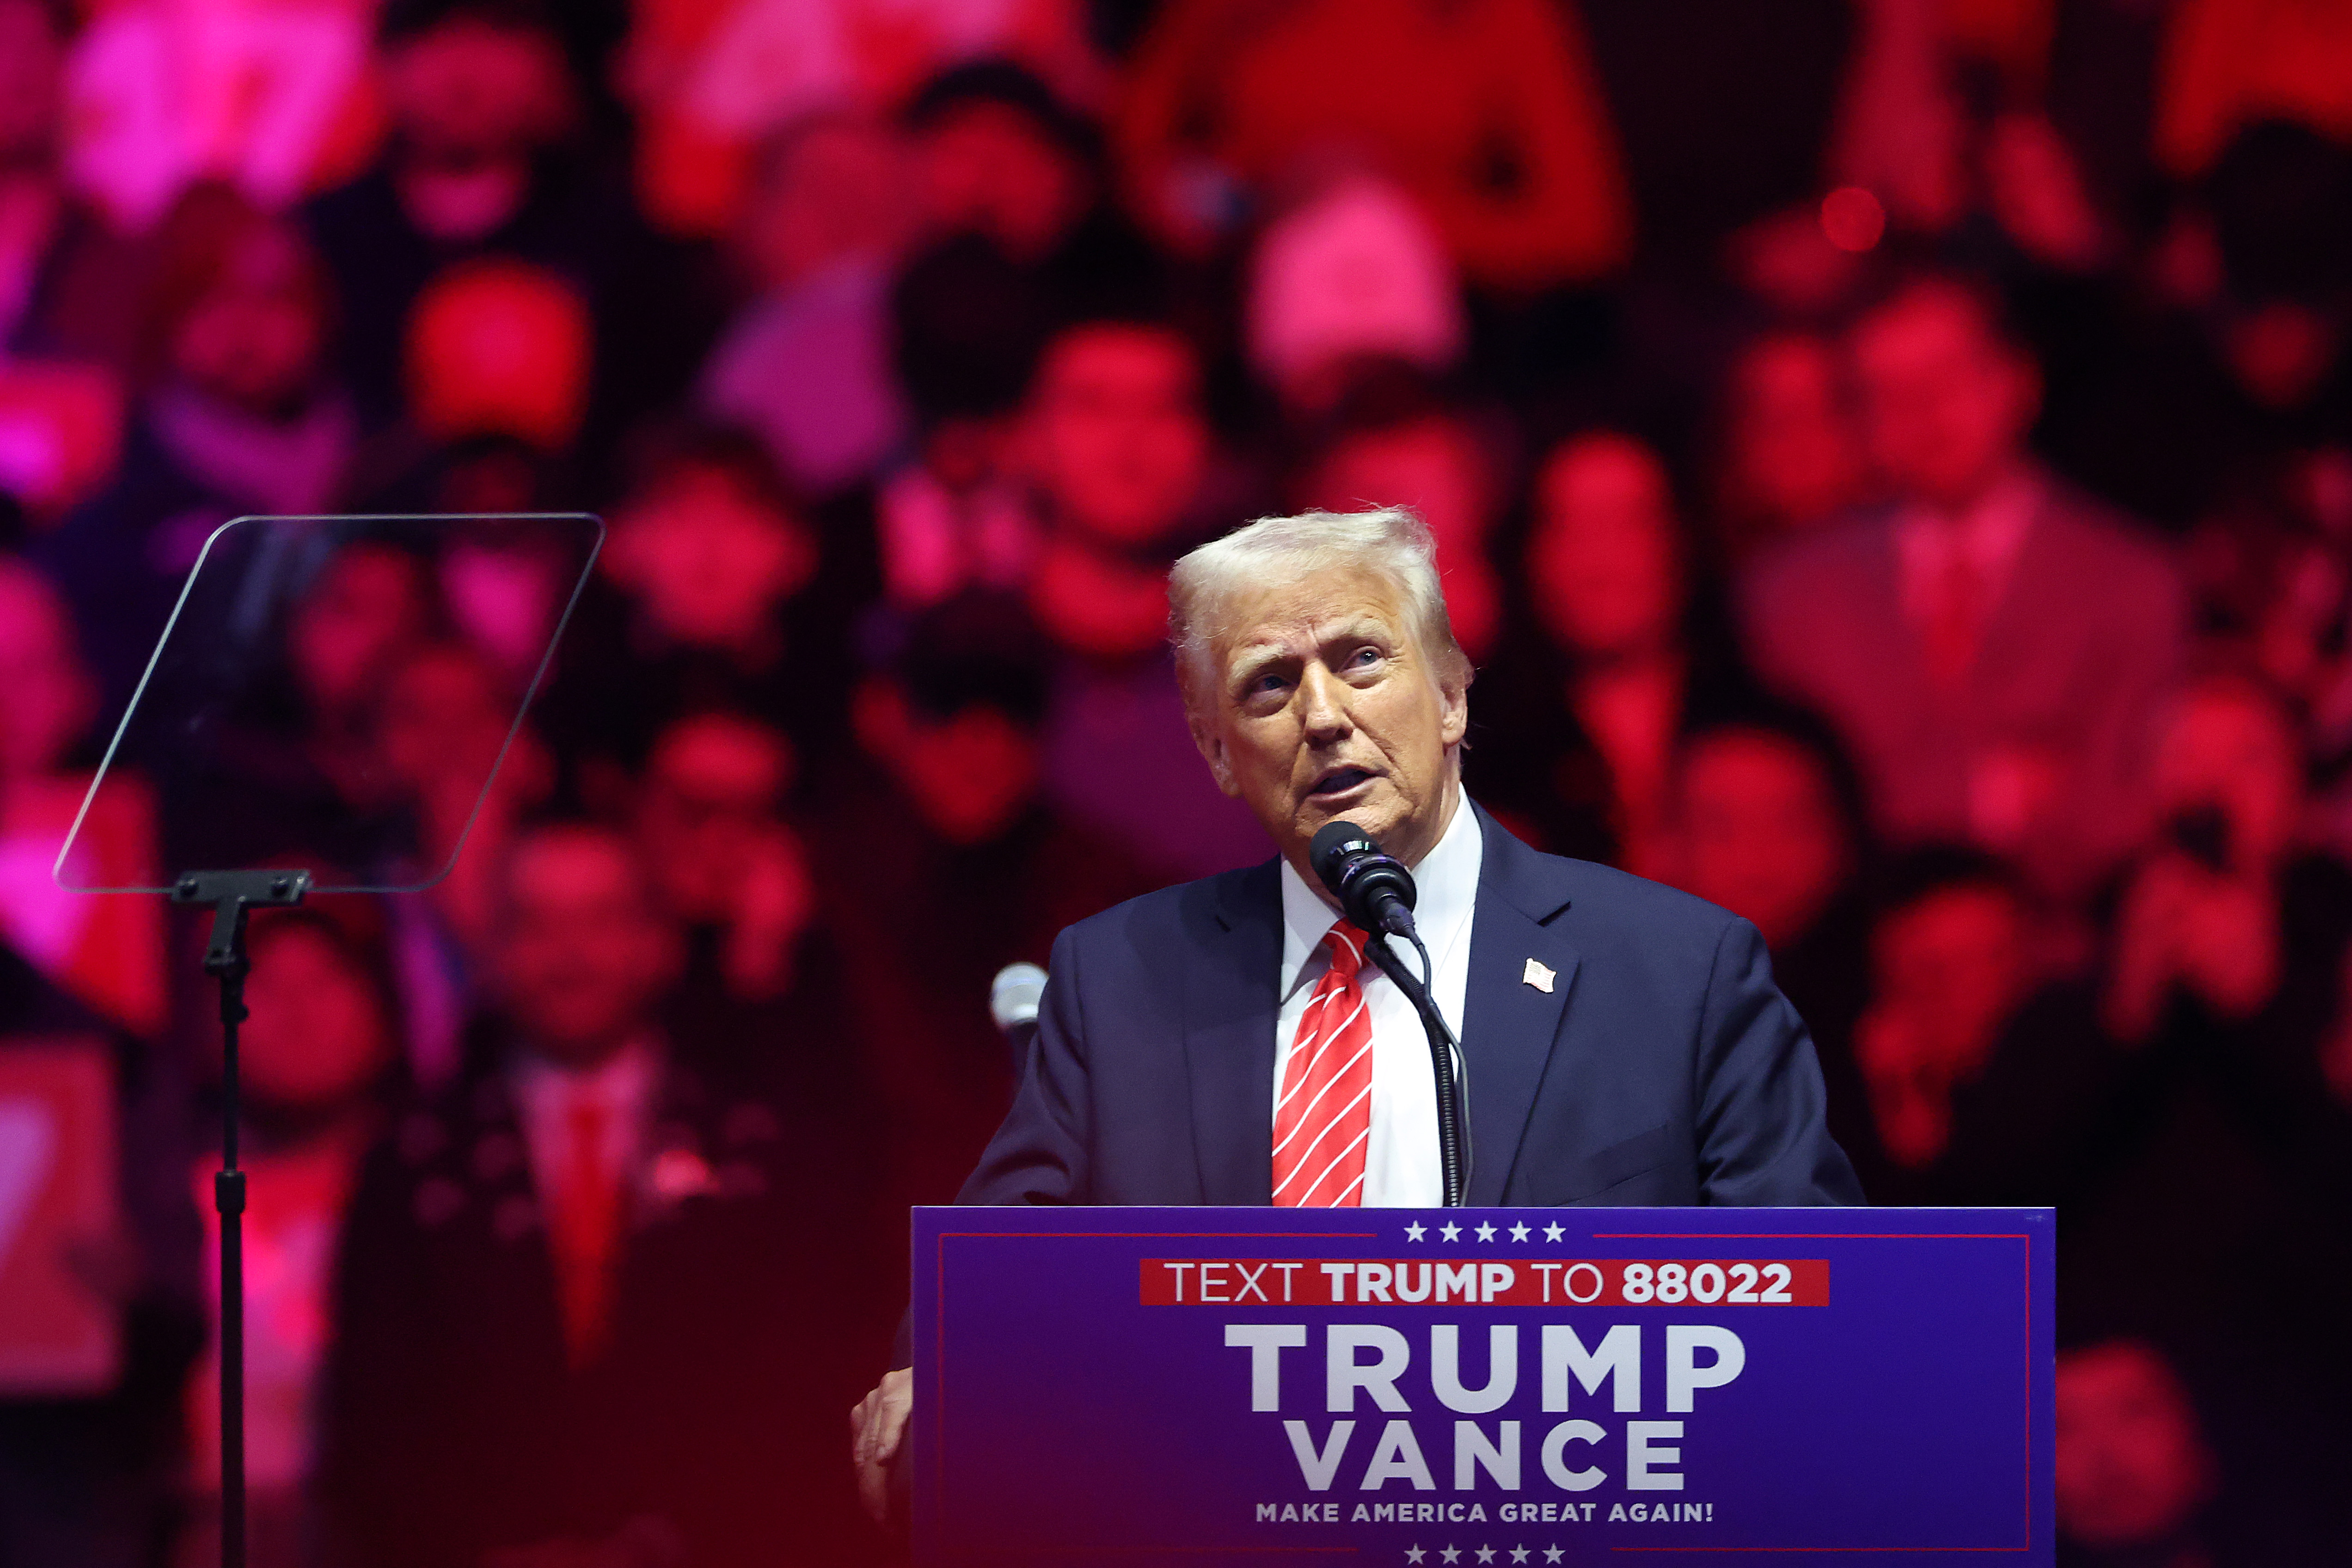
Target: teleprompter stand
216,682
231,895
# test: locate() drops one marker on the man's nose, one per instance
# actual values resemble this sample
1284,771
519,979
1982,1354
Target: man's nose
1325,715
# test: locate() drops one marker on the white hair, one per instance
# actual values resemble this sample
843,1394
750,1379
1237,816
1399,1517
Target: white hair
1390,540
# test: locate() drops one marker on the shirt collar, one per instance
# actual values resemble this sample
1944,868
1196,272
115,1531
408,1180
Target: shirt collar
1988,535
622,1082
1445,886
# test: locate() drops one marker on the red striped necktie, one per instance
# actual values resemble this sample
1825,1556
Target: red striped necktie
1324,1120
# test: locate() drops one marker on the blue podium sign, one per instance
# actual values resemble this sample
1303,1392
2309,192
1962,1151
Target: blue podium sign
1441,1388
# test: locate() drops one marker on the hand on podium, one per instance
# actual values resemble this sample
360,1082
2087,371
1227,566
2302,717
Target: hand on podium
877,1427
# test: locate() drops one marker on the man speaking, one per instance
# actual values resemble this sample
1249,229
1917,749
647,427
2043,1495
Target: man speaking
1227,1041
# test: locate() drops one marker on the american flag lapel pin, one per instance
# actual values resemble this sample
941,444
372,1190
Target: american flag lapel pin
1537,975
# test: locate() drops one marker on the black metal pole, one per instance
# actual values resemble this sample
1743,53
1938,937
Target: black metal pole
1452,1153
230,894
228,1197
1453,1165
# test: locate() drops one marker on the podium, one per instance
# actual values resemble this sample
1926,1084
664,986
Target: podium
1439,1388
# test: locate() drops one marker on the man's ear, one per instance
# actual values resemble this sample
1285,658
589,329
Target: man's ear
1211,744
1453,711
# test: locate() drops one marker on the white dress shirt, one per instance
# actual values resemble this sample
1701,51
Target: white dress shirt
1400,1165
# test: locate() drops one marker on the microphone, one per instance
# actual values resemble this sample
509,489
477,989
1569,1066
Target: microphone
1377,893
1374,888
1013,998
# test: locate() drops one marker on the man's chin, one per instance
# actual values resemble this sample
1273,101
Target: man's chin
1376,812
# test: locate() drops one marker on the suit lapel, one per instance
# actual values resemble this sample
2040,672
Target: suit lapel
1508,1025
1230,1010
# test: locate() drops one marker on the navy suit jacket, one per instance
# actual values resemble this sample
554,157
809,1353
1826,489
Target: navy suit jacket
1664,1066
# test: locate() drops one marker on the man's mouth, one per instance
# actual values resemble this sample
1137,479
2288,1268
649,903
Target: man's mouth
1340,781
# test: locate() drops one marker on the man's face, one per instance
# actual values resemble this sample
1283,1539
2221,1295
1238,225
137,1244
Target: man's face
254,338
712,786
1321,704
1431,465
1955,962
1760,830
470,90
989,169
498,345
580,956
2132,1468
708,563
835,192
1945,403
1794,455
444,721
365,610
317,1036
2227,746
1115,435
970,775
1607,576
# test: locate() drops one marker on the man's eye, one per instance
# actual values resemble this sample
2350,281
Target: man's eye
1364,655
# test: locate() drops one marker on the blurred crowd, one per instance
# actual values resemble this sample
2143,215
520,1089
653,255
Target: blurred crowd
1891,465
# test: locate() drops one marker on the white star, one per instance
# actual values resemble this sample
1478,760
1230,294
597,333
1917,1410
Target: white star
1414,1555
1486,1555
1551,1553
1415,1232
1553,1233
1450,1555
1518,1233
1450,1231
1485,1231
1519,1554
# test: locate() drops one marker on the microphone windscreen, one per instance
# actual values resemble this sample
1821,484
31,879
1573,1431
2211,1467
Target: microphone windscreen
1013,995
1333,843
